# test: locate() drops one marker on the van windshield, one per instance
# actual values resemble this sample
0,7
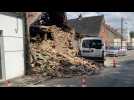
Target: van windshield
97,44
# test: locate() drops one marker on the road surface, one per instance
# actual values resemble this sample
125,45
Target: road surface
121,76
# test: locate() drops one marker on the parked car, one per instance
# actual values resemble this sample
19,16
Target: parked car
130,48
112,51
122,51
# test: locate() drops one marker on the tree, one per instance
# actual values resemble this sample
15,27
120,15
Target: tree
131,34
57,18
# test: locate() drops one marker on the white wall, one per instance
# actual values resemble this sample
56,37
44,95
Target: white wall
13,46
132,41
117,42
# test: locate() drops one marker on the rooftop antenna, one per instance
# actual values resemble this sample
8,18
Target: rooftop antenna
99,13
80,17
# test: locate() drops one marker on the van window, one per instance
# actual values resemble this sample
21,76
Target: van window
97,44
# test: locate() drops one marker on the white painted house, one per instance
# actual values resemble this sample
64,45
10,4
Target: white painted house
11,46
132,42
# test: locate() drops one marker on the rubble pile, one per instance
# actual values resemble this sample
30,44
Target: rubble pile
56,56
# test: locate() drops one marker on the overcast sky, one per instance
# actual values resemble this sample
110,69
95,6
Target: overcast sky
112,18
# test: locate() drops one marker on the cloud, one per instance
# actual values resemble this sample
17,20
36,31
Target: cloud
112,18
72,15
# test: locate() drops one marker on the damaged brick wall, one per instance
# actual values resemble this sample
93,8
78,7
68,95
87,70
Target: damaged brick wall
60,46
35,19
32,17
104,34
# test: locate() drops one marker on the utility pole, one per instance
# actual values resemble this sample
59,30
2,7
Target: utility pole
27,46
121,31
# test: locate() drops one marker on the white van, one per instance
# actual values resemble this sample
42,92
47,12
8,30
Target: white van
92,47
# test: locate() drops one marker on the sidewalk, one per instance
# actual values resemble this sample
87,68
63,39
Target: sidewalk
43,81
24,81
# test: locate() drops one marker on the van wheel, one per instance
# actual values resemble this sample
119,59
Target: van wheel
116,55
102,64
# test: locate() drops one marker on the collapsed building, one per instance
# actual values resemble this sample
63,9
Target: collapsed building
51,45
47,19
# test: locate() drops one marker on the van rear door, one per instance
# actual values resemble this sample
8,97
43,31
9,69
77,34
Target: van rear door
91,48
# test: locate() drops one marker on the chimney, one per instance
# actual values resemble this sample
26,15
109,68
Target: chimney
80,17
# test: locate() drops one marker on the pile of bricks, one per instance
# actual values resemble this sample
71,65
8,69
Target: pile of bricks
56,56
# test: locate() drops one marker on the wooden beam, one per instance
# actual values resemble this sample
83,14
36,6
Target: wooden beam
28,66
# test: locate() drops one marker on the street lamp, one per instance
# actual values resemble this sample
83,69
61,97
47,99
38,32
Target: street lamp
121,30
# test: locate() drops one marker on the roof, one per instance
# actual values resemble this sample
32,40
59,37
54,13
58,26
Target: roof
118,35
91,38
114,31
13,14
87,25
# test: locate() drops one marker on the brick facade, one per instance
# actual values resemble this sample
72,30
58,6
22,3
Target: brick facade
31,17
104,35
109,34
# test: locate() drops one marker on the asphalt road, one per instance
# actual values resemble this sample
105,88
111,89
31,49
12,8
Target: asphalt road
121,76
